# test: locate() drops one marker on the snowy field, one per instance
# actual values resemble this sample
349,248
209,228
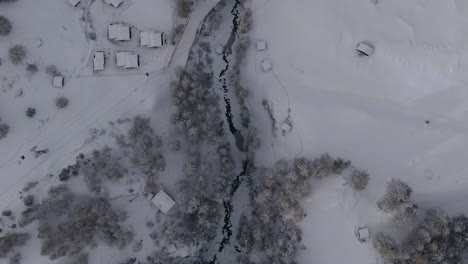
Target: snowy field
371,110
400,113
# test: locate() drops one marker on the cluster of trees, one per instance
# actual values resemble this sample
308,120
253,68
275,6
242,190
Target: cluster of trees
397,200
102,164
10,241
438,239
213,20
4,129
275,196
68,224
197,113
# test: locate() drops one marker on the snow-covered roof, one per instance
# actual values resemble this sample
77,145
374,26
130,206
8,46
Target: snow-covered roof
133,61
122,58
163,201
266,65
74,2
98,61
114,3
119,32
365,48
261,45
286,127
151,39
363,234
219,49
57,81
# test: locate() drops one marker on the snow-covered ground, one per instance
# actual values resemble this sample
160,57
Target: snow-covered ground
398,114
371,110
95,100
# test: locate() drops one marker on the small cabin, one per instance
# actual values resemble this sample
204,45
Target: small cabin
286,127
266,65
365,49
363,234
163,201
58,81
119,32
127,60
74,3
261,45
151,39
114,3
98,61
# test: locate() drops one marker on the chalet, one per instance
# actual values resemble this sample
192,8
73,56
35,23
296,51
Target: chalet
151,39
74,3
363,234
163,201
114,3
128,60
266,65
286,127
119,32
98,61
365,49
261,45
58,81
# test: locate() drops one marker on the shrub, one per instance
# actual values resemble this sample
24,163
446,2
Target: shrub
30,112
61,102
28,200
360,179
32,68
5,26
4,129
17,53
52,70
175,146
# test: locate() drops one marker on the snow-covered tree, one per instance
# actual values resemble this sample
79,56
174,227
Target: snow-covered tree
61,102
184,8
17,54
5,26
30,112
359,179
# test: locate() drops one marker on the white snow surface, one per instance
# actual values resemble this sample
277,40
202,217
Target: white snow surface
371,110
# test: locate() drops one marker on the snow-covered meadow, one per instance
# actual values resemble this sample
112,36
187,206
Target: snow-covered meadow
371,110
